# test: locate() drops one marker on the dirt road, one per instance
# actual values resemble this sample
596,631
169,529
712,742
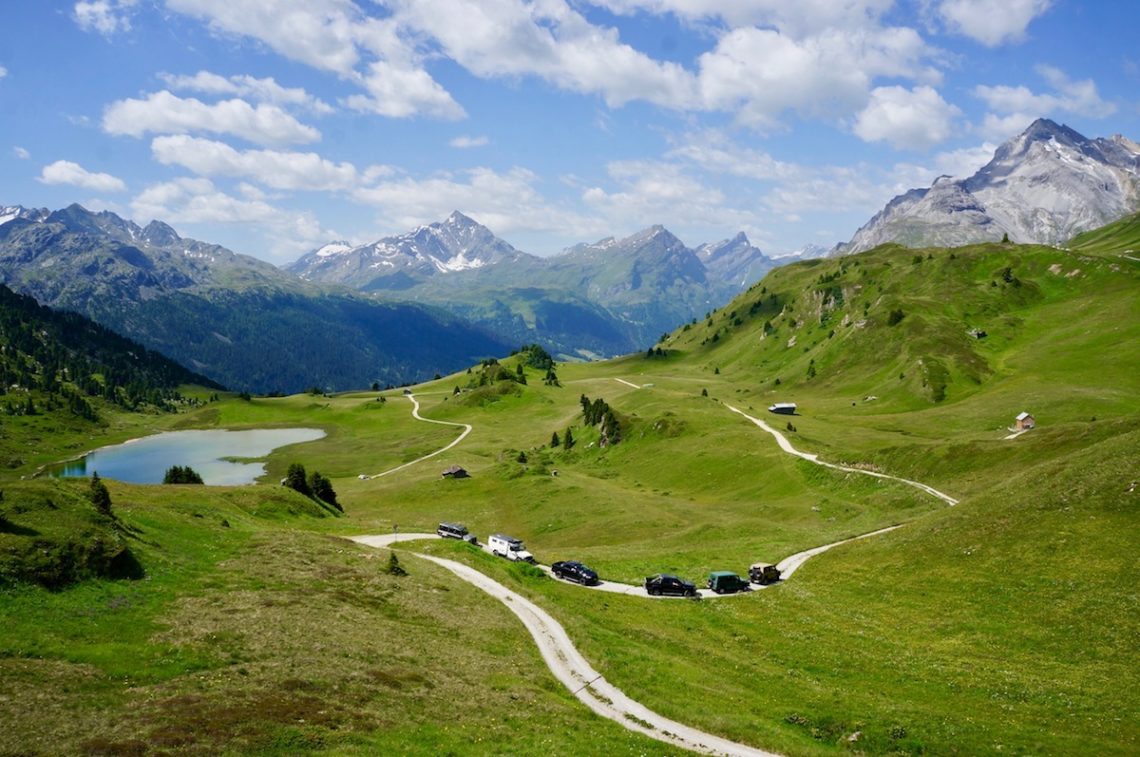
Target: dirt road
787,447
416,414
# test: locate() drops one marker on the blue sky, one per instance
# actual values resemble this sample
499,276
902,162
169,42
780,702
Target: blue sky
274,126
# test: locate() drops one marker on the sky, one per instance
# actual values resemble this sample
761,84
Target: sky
275,126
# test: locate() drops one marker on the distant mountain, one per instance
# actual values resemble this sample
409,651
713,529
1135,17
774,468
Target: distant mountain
610,297
236,319
807,252
1043,186
395,263
734,261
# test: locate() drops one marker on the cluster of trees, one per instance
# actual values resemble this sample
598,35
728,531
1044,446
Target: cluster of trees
535,356
315,485
181,474
596,412
66,359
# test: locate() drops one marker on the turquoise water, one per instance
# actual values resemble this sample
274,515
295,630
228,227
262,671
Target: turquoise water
146,460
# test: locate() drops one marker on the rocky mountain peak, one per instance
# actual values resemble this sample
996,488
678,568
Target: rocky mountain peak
1043,185
160,234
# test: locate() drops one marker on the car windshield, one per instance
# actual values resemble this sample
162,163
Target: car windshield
517,546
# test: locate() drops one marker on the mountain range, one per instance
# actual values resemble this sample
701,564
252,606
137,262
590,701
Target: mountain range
1043,186
240,321
606,298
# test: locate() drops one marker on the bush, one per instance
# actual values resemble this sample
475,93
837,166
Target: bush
895,317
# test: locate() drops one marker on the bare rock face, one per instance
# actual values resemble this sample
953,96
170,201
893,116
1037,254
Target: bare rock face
1043,186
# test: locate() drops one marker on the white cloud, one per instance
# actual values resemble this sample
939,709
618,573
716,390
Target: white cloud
762,73
651,192
66,172
104,16
914,119
260,90
991,22
273,168
466,142
3,72
549,40
198,200
191,200
505,201
400,91
21,153
163,112
1014,108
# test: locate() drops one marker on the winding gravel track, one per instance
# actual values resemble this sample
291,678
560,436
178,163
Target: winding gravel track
416,414
787,447
559,653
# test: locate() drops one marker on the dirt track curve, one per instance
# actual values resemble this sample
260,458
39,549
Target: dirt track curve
416,414
559,653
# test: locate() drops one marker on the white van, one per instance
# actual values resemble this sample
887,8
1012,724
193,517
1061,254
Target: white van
509,547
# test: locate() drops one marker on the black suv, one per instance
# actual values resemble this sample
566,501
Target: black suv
666,584
571,570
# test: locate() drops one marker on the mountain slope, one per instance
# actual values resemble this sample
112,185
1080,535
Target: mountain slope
239,320
1043,186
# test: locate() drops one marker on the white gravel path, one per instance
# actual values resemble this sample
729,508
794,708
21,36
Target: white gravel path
787,447
416,414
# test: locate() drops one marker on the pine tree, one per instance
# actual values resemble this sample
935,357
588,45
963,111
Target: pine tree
554,440
295,479
567,439
100,497
322,489
394,567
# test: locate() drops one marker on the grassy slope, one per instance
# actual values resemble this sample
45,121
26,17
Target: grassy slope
261,636
971,630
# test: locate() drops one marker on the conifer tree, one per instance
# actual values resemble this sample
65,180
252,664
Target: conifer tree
100,497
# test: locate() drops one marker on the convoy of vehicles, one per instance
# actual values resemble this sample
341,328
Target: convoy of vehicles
662,584
509,547
665,584
572,570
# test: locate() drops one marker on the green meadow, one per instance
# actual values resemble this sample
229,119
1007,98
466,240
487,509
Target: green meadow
1006,624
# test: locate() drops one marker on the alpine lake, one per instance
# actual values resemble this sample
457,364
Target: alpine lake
222,457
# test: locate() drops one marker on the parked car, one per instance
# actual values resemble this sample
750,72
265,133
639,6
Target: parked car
666,584
763,573
572,570
727,582
455,531
510,548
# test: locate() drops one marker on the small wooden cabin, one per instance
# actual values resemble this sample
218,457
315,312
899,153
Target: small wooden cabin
1024,422
454,471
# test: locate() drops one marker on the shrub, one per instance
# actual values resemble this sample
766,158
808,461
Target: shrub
895,317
